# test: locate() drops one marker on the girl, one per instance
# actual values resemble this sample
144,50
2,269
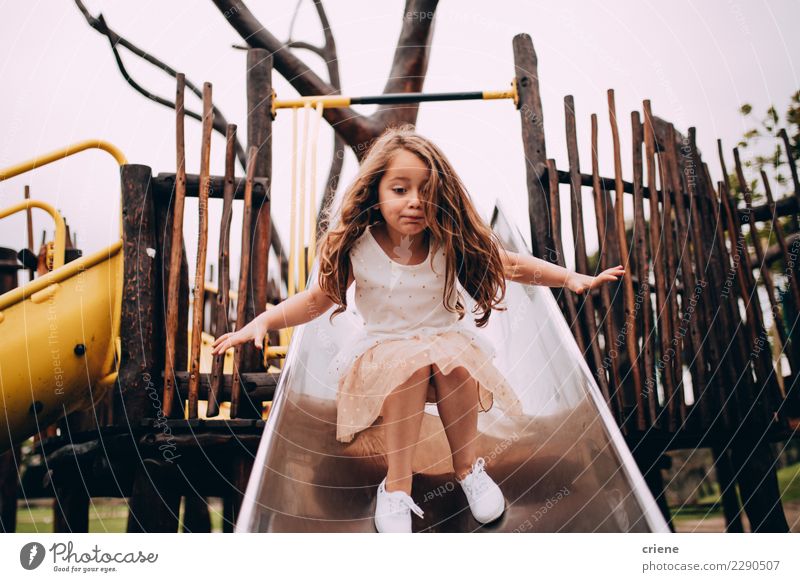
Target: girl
408,234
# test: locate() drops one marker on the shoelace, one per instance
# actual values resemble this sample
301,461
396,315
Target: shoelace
475,481
399,503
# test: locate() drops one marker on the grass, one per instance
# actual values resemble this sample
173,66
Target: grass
106,515
710,505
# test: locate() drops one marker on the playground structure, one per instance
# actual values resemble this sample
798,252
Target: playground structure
154,438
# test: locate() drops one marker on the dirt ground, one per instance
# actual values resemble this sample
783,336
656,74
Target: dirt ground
717,524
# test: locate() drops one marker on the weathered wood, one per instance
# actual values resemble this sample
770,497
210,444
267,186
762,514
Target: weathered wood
719,378
672,313
769,283
645,315
663,321
690,316
533,144
259,136
756,335
789,257
155,500
581,262
176,246
622,244
727,486
140,328
606,243
764,365
202,248
259,386
243,297
742,387
196,517
223,286
71,507
164,185
566,298
754,464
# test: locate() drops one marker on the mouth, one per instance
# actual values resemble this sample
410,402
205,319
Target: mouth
413,218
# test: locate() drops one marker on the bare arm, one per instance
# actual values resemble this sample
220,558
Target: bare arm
535,271
298,309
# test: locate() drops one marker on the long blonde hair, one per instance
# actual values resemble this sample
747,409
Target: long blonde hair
472,250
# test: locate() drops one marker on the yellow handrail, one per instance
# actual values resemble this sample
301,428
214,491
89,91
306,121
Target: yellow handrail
60,154
61,229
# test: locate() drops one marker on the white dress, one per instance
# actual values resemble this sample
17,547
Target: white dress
405,327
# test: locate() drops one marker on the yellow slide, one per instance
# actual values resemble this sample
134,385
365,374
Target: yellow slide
59,334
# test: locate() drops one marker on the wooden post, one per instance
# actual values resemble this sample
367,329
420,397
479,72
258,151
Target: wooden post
643,273
174,258
244,277
155,501
727,486
631,343
533,143
140,328
259,134
224,285
581,265
198,306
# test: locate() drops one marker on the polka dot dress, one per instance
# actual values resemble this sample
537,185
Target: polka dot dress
406,327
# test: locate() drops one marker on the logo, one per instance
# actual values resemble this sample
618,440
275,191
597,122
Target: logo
31,555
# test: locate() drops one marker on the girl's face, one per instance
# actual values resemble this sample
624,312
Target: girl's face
399,193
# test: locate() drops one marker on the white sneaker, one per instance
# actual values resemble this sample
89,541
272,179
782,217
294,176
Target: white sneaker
392,513
486,501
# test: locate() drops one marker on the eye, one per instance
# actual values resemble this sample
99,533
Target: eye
398,189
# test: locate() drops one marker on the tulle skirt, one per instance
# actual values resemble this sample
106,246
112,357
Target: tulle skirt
379,366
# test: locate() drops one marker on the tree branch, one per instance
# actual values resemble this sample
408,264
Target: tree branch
407,72
114,39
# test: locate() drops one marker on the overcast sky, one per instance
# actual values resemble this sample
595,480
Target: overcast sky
697,62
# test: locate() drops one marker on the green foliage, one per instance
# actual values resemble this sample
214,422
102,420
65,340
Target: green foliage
766,150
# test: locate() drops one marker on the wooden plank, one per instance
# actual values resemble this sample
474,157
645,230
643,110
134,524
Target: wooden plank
140,326
259,135
662,320
165,183
533,144
224,283
566,298
707,261
691,315
173,288
606,243
676,342
259,386
202,247
631,344
645,313
581,262
243,298
764,366
794,346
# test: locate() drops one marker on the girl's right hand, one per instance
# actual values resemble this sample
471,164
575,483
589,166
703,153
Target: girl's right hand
256,330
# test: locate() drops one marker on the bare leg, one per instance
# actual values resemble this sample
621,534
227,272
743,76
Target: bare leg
402,418
457,401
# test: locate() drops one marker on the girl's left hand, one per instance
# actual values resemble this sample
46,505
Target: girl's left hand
581,283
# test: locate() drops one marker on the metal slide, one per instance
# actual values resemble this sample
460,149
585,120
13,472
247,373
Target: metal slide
563,466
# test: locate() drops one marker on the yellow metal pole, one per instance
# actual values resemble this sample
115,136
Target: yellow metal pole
301,242
61,230
312,245
62,153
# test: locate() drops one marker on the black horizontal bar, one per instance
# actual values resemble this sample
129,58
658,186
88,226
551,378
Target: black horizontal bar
415,97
